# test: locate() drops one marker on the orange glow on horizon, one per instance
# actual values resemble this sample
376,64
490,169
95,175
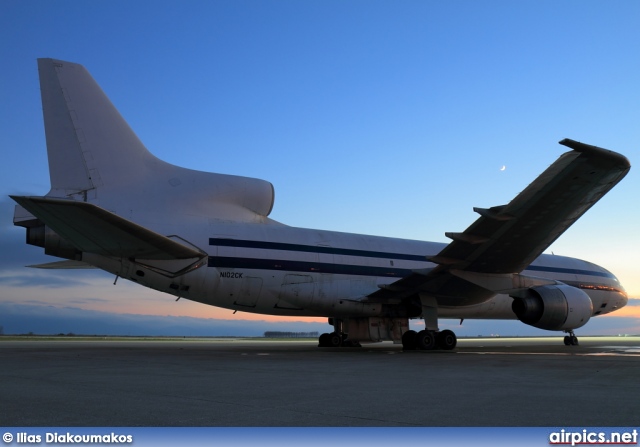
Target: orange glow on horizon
185,308
627,311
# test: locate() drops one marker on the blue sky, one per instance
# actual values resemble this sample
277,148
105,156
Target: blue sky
386,118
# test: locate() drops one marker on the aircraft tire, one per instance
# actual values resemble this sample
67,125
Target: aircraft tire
426,340
409,342
446,340
334,340
323,341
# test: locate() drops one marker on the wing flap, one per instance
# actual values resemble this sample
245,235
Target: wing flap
95,230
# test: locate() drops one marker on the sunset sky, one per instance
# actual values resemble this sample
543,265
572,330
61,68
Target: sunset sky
374,117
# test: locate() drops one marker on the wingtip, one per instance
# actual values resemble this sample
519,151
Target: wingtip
596,151
578,146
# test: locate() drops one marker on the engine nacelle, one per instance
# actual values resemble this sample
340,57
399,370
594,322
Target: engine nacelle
553,307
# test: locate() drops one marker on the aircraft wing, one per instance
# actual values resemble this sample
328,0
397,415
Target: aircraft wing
95,230
506,239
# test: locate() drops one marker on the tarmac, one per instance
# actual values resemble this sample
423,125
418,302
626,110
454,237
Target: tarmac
234,382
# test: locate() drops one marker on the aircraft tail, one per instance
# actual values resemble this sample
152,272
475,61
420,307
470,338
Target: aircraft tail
91,148
89,144
124,200
96,158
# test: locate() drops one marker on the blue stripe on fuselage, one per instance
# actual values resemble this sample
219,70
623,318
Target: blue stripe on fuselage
313,249
344,269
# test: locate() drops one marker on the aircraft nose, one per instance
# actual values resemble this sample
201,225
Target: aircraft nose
621,299
624,300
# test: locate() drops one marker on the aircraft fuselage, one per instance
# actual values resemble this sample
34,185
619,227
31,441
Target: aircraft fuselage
281,270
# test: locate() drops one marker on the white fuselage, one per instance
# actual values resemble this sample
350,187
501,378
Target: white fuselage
280,270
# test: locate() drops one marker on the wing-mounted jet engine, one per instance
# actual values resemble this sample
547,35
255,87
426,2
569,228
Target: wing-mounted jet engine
554,308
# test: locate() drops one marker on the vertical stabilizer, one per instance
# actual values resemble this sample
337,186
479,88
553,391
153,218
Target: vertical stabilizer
95,157
89,144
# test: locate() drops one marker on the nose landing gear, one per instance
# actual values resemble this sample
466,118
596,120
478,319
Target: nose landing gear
571,339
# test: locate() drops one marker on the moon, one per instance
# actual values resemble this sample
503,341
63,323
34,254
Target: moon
503,168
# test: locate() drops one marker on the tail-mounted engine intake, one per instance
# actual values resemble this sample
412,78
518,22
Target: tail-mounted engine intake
553,307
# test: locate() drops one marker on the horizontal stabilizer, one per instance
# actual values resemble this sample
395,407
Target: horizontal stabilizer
63,265
94,230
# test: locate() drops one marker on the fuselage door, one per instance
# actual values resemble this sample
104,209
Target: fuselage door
249,292
296,292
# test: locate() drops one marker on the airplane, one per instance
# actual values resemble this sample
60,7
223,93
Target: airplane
207,237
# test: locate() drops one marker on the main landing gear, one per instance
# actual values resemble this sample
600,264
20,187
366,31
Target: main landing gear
429,340
332,340
571,339
337,338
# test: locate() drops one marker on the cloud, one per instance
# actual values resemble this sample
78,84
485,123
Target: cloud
37,278
36,302
87,301
604,325
20,318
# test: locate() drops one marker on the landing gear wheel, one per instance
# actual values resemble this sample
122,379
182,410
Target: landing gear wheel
334,340
409,340
571,339
323,341
446,340
426,340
